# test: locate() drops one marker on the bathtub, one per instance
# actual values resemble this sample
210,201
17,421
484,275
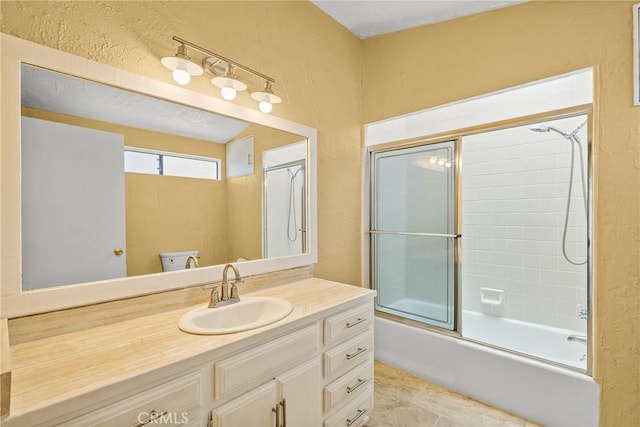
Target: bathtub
545,342
542,392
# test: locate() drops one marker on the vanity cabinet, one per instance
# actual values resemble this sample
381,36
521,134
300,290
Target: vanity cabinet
334,387
314,370
290,399
348,367
174,403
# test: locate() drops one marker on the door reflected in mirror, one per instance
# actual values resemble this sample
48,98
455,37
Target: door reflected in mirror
86,218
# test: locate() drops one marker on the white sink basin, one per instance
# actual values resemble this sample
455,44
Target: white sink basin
249,313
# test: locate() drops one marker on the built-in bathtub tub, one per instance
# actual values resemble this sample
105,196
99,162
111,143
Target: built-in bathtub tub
544,393
545,342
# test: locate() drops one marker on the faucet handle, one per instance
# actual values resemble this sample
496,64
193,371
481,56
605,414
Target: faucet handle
215,298
234,291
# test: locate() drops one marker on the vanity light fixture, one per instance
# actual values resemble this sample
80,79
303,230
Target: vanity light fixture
182,66
224,74
266,98
229,84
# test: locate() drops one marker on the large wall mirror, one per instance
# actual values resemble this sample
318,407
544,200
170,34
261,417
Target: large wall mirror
111,180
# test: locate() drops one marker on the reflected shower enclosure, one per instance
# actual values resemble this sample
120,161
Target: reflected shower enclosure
283,202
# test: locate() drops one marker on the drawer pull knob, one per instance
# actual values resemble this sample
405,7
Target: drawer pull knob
360,382
153,415
360,413
357,322
359,351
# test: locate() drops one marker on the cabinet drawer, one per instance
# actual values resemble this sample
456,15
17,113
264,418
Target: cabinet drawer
347,355
347,324
349,386
354,414
172,403
265,361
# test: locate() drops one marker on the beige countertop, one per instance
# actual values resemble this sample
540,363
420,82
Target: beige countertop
49,371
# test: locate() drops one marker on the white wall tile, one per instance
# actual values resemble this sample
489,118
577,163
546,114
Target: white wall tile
515,213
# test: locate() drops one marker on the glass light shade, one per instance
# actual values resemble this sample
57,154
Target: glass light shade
269,97
266,98
222,82
182,66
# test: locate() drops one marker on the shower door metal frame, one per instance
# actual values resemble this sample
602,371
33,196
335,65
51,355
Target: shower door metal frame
303,207
455,236
457,135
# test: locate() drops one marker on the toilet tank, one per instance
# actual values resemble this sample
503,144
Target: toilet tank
172,261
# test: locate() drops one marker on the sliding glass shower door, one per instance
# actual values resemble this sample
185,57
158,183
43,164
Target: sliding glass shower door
413,235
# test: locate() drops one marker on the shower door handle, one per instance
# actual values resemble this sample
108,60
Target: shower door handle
408,233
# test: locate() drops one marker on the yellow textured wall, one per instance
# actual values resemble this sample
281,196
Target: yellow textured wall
318,67
436,64
315,61
165,213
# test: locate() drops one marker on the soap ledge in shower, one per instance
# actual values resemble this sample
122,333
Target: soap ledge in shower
492,296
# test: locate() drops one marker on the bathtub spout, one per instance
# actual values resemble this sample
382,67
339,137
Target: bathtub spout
579,338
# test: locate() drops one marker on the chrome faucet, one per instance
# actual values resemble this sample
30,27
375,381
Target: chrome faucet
578,338
225,297
189,259
583,313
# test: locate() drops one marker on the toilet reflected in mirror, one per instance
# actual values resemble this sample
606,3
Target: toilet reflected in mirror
179,260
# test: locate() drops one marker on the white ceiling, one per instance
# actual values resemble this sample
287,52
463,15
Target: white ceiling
366,18
48,90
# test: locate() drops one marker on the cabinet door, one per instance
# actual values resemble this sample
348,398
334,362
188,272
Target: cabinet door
240,157
174,403
251,409
301,390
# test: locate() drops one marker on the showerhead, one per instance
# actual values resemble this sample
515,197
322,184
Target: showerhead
540,128
544,128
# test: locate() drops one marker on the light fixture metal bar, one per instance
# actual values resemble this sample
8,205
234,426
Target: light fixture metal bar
222,58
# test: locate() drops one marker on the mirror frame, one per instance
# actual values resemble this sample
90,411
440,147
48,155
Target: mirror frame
15,302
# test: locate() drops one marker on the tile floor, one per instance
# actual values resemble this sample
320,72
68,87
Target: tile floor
405,400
